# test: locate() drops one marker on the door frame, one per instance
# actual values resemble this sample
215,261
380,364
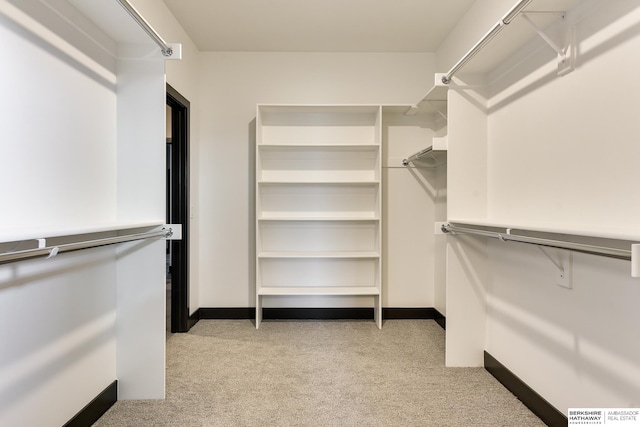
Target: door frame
178,205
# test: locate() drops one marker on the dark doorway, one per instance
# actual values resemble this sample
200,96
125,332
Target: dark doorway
178,211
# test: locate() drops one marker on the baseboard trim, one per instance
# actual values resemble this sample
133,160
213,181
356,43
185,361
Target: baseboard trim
193,319
441,320
96,408
219,313
392,313
335,313
288,313
532,400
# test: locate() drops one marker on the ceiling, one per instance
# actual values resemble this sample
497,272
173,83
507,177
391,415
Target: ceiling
318,25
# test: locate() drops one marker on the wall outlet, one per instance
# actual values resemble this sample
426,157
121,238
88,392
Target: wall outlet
564,276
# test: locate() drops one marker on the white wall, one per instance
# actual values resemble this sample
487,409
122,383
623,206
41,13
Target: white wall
231,86
61,320
560,152
412,203
543,121
42,152
575,141
57,317
221,226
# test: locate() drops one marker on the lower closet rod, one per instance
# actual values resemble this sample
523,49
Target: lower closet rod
51,251
560,244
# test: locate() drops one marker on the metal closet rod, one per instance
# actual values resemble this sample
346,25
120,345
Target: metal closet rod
560,244
51,251
164,47
506,20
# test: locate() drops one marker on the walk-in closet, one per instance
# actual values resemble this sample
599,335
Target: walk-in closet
415,212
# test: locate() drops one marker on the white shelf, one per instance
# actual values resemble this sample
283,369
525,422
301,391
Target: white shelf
328,182
320,255
323,238
317,125
320,290
319,218
318,163
435,100
324,146
318,201
319,180
438,91
306,200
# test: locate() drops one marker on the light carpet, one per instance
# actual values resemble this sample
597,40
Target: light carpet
319,373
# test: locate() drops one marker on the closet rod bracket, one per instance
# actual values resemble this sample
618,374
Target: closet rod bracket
173,231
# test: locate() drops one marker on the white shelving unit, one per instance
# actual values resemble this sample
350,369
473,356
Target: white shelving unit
318,202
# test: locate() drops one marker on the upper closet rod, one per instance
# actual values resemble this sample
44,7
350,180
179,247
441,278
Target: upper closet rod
52,251
560,244
164,47
510,16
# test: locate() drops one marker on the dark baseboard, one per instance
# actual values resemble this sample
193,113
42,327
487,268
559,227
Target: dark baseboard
340,313
441,320
193,319
392,313
286,313
227,313
96,408
319,313
532,400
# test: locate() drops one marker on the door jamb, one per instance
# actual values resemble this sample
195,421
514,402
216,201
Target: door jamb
180,319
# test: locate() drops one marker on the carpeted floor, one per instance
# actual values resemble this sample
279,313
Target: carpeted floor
319,373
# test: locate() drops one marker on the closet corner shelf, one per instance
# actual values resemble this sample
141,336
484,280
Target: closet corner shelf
439,90
437,94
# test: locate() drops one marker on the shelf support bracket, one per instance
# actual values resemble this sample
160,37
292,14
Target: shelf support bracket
566,55
564,269
556,263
